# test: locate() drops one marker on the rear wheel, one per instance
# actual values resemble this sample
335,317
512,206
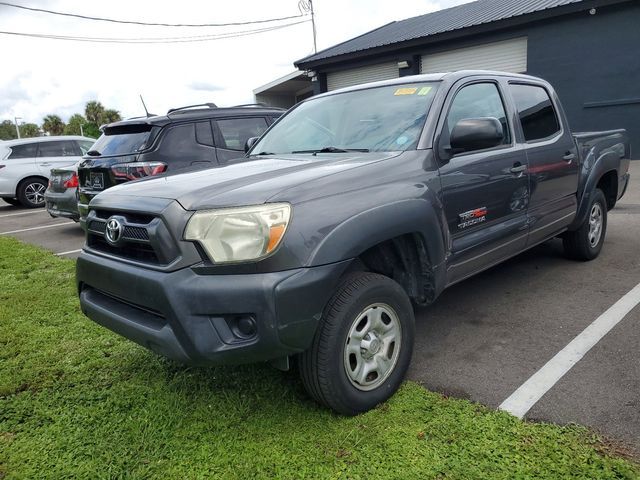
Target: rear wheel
11,201
586,242
362,347
31,192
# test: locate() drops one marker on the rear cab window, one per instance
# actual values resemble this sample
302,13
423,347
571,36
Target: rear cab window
124,139
538,117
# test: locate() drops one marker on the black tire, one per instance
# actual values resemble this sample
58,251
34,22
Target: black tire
322,366
31,192
12,201
582,244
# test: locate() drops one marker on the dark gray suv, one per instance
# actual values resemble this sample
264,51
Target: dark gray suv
192,137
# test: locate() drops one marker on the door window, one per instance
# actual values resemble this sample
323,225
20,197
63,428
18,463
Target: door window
535,109
236,131
476,101
23,151
57,149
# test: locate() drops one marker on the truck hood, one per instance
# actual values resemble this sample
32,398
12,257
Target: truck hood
245,183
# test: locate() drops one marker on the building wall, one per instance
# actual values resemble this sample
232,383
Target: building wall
593,61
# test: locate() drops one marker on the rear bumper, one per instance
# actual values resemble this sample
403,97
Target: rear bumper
195,318
63,204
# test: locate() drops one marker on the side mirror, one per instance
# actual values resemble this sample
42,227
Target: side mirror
250,143
476,134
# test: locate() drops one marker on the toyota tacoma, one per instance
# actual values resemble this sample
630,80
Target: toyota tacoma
352,208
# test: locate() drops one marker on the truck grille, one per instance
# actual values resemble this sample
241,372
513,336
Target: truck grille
134,244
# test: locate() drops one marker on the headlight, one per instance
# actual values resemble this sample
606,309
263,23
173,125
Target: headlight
239,234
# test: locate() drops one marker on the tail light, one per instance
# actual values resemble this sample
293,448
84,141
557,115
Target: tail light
72,182
135,170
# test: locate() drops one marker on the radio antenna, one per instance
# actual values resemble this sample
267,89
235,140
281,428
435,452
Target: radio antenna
144,106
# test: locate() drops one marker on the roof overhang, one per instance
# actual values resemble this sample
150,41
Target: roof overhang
292,82
309,63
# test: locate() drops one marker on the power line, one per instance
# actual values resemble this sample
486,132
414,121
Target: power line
149,24
198,38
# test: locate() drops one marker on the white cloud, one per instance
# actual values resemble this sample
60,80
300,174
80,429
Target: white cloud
56,76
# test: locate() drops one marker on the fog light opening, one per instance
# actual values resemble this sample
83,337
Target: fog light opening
244,326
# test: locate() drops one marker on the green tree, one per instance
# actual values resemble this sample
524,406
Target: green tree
111,116
94,112
7,130
29,130
92,130
53,125
74,124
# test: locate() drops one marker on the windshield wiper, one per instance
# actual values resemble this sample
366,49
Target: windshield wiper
93,153
332,150
263,153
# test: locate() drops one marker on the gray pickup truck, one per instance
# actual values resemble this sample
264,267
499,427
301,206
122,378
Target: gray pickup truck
353,206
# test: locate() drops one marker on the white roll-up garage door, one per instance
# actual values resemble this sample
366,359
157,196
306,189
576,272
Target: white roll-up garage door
506,56
356,76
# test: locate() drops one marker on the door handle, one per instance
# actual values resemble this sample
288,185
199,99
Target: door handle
517,168
47,164
569,157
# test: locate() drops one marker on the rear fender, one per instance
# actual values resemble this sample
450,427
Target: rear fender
598,157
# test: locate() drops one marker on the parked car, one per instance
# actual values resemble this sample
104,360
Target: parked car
357,203
25,165
193,137
61,197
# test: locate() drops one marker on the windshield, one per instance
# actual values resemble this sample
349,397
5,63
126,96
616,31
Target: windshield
386,118
122,140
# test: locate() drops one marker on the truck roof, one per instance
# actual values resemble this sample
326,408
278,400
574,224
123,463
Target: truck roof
431,77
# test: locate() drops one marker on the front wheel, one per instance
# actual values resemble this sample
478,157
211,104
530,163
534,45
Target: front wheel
586,242
362,347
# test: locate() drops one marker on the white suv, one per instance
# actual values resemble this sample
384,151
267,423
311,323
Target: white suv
25,165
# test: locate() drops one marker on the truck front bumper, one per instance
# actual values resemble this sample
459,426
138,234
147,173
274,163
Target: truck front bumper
207,319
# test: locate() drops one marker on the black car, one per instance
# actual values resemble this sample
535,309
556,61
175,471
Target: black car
192,137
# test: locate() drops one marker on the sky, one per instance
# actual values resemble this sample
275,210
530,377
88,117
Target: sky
46,76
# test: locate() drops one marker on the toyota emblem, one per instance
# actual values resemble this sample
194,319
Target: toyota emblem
113,231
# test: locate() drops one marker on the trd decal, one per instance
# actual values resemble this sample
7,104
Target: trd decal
472,217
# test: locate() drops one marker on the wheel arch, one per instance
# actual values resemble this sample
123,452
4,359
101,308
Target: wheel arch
405,241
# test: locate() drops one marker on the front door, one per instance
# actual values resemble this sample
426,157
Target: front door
485,193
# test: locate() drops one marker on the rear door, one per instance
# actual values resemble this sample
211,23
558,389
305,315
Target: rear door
231,134
553,160
484,192
56,154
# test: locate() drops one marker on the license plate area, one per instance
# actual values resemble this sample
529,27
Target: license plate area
97,180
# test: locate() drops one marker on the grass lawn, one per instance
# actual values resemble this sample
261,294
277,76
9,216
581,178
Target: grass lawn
77,401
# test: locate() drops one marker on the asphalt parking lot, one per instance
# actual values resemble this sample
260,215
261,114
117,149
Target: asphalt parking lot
486,336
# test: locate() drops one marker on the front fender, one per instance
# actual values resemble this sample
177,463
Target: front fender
371,227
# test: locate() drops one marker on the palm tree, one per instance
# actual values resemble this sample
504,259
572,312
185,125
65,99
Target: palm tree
111,116
53,125
94,111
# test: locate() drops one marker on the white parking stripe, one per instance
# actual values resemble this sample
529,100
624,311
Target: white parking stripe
36,228
70,251
22,213
525,397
